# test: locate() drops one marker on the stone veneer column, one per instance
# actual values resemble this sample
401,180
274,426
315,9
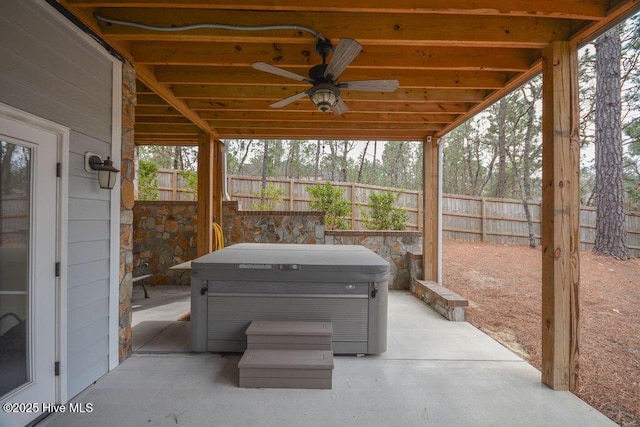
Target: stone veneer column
126,207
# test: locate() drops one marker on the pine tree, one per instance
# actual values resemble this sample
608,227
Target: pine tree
610,219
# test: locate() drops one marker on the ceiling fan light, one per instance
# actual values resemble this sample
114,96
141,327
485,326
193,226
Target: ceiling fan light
325,97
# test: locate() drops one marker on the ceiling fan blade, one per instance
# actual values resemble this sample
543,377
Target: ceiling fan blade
268,68
345,52
340,107
371,85
288,100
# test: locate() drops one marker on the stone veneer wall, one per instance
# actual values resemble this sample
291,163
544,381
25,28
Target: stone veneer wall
415,266
165,235
162,230
126,208
271,226
393,246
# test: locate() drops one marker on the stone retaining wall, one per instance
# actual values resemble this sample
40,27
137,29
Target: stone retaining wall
271,226
165,235
393,246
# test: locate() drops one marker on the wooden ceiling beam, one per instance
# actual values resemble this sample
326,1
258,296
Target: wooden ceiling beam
166,129
407,78
151,110
235,105
179,119
303,133
146,75
334,125
616,14
494,97
145,100
368,28
305,116
143,73
574,9
187,142
453,58
275,93
302,56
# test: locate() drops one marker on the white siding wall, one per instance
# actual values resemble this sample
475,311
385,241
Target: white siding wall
50,71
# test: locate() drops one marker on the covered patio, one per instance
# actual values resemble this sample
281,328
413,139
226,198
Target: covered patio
435,372
195,62
87,77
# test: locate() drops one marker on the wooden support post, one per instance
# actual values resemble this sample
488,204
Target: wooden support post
216,182
420,219
431,197
560,217
205,193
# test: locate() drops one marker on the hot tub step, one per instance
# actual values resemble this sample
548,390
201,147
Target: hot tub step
308,369
289,335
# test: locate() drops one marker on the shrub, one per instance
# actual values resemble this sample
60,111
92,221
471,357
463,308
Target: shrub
383,215
190,182
270,197
147,180
327,198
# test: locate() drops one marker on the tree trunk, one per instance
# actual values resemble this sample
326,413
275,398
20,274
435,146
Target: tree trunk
526,164
344,162
395,166
364,153
502,148
244,157
317,166
334,157
6,155
176,157
610,220
265,165
375,154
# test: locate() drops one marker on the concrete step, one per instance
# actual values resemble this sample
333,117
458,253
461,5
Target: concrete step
291,335
305,369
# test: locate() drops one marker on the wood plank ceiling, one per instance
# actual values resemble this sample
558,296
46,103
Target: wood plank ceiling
452,59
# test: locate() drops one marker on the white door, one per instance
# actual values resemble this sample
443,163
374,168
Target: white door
28,227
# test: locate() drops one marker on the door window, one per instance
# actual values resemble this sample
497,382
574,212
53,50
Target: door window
15,244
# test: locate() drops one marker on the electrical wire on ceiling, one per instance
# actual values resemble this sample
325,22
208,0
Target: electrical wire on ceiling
316,34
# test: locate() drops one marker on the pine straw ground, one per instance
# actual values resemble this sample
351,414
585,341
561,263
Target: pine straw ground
502,283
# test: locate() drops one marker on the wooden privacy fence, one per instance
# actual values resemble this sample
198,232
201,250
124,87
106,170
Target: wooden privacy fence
504,221
464,218
172,186
296,198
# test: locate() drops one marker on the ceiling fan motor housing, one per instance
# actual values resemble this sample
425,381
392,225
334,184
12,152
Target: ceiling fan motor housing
316,73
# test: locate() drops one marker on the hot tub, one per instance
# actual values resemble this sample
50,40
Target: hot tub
343,284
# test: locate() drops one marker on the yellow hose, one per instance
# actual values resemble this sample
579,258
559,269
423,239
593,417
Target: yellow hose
218,237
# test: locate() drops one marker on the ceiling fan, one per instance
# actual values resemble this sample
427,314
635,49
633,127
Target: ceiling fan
325,88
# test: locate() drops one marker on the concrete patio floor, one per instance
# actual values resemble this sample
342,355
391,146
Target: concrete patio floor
435,372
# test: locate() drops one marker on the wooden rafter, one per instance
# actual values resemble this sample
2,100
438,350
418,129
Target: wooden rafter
452,58
589,9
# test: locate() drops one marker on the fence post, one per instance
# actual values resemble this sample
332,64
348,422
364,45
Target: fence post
353,206
174,184
291,194
483,219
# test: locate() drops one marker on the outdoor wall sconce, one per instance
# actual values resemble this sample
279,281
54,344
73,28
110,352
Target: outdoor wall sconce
107,174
